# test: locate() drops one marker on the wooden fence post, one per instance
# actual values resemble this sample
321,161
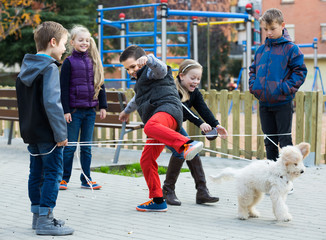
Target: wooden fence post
224,106
299,116
236,122
129,94
260,154
248,125
213,106
319,125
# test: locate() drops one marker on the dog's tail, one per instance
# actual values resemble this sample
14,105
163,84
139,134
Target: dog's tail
225,175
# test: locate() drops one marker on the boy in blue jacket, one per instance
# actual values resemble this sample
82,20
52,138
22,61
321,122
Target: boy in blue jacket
276,74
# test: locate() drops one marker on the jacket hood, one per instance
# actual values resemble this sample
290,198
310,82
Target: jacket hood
32,66
284,39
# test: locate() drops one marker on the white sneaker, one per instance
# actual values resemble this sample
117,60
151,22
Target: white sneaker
191,149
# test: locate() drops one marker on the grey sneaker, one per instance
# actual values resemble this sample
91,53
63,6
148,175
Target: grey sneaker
36,215
48,226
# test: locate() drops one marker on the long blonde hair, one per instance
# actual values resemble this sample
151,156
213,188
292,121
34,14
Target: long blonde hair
184,68
95,56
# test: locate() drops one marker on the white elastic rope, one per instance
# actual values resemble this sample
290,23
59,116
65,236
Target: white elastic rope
208,150
87,179
115,144
271,141
42,154
190,111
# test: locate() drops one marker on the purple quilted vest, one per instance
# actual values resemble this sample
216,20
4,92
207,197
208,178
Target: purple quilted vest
81,81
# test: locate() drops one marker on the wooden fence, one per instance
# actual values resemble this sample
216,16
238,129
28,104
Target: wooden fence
238,112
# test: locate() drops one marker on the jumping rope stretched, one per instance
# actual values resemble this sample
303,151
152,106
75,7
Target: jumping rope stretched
122,143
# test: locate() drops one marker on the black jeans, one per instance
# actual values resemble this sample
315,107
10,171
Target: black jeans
276,120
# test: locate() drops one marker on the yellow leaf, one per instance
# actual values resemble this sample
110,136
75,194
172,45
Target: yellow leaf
27,3
19,2
37,19
27,18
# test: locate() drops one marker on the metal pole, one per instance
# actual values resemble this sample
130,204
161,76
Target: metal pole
99,29
122,17
208,59
164,7
315,52
244,64
195,37
248,62
248,37
315,83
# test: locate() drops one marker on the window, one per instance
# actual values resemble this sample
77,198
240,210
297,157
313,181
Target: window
291,30
287,1
323,31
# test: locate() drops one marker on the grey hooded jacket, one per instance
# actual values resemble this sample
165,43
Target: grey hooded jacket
41,116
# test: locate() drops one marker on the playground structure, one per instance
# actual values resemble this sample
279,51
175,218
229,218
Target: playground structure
316,68
126,36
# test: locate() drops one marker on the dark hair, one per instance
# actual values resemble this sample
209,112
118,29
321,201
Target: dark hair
132,51
272,15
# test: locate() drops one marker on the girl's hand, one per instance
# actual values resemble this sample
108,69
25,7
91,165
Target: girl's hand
205,127
68,118
222,131
141,62
102,113
124,117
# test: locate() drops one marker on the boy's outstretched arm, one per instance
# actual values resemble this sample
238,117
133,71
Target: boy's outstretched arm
158,69
131,107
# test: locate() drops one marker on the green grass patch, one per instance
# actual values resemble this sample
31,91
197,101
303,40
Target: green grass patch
131,170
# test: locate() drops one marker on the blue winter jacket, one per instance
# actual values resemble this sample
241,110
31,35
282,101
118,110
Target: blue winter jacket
277,72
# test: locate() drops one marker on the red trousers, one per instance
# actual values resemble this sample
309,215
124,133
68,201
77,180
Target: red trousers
161,127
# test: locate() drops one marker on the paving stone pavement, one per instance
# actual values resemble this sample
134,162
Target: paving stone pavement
110,213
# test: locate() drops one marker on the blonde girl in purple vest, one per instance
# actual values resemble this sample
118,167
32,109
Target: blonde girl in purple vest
82,90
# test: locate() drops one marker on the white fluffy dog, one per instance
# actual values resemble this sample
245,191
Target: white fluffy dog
265,176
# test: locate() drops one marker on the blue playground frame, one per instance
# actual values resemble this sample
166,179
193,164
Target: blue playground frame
123,25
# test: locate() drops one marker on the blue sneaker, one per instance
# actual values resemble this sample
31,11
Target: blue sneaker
191,149
95,186
151,206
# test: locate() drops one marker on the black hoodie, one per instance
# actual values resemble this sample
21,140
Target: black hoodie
41,117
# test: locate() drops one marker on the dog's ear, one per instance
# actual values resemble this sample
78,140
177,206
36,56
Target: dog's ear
304,148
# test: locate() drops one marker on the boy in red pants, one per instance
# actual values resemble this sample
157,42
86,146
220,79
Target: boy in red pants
159,106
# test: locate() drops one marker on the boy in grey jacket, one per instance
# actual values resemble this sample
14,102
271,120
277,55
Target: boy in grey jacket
159,106
42,125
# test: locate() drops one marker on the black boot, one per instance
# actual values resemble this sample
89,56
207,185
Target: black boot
172,174
197,172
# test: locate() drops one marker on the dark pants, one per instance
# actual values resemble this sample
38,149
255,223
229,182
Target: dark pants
276,120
